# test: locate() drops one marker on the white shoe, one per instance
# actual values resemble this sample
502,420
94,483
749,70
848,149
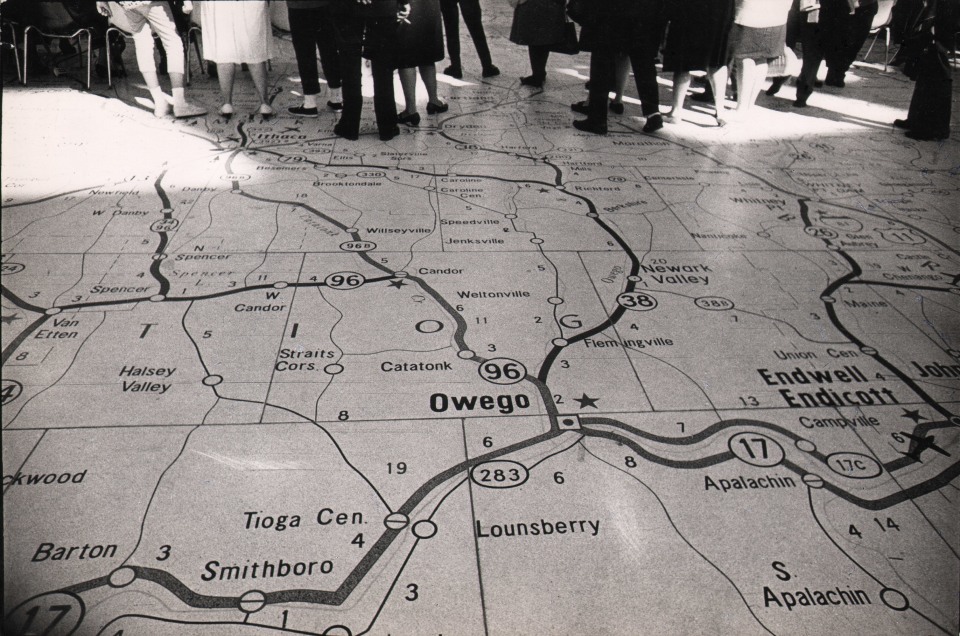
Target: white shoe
266,110
186,110
161,108
226,110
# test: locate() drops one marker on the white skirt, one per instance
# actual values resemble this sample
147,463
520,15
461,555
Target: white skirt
236,31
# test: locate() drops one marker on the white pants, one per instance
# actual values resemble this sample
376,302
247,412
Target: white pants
157,15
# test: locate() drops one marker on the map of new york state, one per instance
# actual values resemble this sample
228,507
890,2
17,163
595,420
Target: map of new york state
495,376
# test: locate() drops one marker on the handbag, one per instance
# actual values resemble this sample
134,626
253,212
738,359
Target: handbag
569,45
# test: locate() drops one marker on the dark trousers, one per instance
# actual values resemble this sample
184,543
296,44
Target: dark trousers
643,59
810,40
930,105
378,37
472,17
310,29
539,54
846,36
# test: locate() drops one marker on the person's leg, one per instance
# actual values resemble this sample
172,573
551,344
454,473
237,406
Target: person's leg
810,41
304,25
602,71
451,27
348,32
381,37
258,73
473,18
751,78
644,60
681,84
718,82
622,72
161,21
428,73
408,82
330,59
225,76
539,55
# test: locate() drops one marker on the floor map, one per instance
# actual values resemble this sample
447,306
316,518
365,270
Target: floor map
495,376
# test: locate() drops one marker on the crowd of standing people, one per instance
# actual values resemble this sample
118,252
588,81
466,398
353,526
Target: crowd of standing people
736,44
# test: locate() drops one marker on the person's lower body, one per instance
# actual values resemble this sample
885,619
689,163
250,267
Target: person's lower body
751,73
156,18
379,35
304,33
408,81
330,60
643,59
853,32
473,18
226,75
717,85
621,73
539,54
602,78
928,118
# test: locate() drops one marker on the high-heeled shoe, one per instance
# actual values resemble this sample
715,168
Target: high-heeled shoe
616,107
266,111
410,119
226,111
433,109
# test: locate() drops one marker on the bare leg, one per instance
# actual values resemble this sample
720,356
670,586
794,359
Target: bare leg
225,74
428,73
718,81
408,81
681,84
258,73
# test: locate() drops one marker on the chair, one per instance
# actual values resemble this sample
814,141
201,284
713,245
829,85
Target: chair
193,34
188,31
12,45
55,21
881,22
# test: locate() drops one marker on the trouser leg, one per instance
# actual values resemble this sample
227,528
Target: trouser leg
602,72
473,18
329,53
304,25
349,37
538,60
450,10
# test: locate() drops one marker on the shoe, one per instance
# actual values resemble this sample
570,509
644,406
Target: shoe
226,111
532,80
588,126
616,107
902,123
433,109
389,134
457,72
654,123
800,103
335,105
303,111
705,96
161,109
410,119
266,111
490,71
340,131
581,107
187,110
834,80
920,135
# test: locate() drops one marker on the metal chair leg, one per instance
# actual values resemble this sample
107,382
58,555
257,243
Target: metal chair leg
886,52
89,55
26,53
106,42
16,54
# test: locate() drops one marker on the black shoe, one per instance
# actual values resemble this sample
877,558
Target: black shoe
410,119
800,103
457,72
532,80
581,107
490,71
340,131
335,105
616,107
389,134
776,85
902,123
654,123
835,80
588,126
302,111
705,96
818,83
922,135
433,109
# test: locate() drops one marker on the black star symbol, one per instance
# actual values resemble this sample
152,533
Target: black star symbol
914,415
9,319
544,190
397,283
586,401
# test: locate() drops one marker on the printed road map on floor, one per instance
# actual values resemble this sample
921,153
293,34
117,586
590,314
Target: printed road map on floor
495,376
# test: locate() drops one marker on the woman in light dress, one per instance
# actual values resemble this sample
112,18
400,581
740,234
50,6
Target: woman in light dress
238,32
